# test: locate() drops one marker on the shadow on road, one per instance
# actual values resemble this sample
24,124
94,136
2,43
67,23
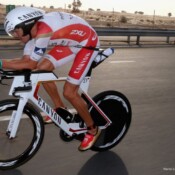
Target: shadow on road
104,163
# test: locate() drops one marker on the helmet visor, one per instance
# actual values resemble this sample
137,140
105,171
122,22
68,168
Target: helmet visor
14,33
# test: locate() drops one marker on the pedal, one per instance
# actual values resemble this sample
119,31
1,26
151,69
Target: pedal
65,114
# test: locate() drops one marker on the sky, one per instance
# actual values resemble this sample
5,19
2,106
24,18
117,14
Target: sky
149,7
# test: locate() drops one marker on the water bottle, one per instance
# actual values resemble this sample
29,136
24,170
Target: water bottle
104,54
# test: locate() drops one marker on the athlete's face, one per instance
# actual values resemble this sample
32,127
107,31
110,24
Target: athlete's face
18,33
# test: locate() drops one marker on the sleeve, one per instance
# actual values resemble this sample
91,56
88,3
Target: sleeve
28,47
39,49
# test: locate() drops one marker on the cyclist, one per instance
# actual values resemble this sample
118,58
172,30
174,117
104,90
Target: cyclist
65,33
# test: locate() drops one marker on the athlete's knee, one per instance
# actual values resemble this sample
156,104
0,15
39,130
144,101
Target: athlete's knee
70,91
68,94
45,65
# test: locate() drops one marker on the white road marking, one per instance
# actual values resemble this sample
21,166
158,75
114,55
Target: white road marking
6,118
124,61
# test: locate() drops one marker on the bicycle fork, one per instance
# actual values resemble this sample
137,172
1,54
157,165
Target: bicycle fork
15,118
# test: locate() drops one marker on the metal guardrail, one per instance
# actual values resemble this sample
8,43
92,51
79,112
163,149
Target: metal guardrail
138,33
129,32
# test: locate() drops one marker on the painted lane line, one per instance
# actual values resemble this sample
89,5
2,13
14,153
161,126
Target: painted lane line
125,61
6,118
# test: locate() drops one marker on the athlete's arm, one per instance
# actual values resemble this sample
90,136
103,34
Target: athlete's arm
24,63
33,51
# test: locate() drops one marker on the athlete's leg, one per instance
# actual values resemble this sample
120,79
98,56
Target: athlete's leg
72,95
50,87
55,58
79,69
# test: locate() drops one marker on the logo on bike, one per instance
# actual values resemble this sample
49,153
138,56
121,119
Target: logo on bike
49,110
39,51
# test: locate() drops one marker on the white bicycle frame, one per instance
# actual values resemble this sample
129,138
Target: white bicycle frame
37,79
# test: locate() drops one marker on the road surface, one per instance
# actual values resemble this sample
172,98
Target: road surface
147,77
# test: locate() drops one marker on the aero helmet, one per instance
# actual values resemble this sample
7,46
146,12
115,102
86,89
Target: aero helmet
22,17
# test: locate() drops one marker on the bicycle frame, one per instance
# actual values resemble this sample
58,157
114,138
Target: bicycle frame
37,78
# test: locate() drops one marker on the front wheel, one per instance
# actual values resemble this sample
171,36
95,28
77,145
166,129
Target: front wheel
118,109
15,152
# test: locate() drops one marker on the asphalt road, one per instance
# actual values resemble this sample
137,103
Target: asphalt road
147,77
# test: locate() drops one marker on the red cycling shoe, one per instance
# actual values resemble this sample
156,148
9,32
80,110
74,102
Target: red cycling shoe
89,140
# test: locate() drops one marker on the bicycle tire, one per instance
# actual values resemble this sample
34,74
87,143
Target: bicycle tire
17,151
117,107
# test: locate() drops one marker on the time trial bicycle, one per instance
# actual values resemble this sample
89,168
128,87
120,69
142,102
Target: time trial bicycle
20,117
